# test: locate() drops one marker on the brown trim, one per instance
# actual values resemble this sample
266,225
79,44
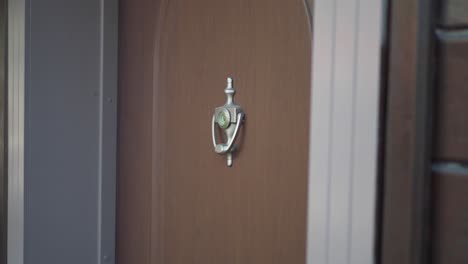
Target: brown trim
136,51
407,181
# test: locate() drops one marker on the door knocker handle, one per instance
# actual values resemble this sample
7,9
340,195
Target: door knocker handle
229,118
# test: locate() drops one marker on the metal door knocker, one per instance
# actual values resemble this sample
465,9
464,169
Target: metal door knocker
229,118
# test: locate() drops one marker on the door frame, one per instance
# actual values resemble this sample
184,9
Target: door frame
22,162
348,40
406,221
16,107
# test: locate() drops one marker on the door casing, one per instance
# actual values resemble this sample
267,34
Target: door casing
348,37
16,106
62,89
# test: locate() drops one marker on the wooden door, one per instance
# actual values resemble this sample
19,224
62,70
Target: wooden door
426,185
178,202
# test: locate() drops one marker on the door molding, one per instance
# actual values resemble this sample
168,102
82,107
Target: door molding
344,131
410,115
16,104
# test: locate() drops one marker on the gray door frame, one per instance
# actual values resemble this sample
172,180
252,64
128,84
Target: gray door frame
45,179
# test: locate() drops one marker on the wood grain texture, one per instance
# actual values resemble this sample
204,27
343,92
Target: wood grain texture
254,212
450,225
399,137
451,141
407,148
135,115
453,13
172,185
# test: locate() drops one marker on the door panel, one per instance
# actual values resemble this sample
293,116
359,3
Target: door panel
192,208
453,13
451,128
408,133
450,224
424,209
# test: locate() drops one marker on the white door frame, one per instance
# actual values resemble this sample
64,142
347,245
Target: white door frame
347,42
347,39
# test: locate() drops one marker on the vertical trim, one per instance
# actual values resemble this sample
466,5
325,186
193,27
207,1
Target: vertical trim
101,117
108,131
18,56
423,105
406,222
366,139
16,97
320,128
344,131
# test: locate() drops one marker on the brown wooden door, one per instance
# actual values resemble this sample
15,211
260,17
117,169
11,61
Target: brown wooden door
425,213
178,202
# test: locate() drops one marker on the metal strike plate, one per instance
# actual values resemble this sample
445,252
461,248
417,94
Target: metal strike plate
229,118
